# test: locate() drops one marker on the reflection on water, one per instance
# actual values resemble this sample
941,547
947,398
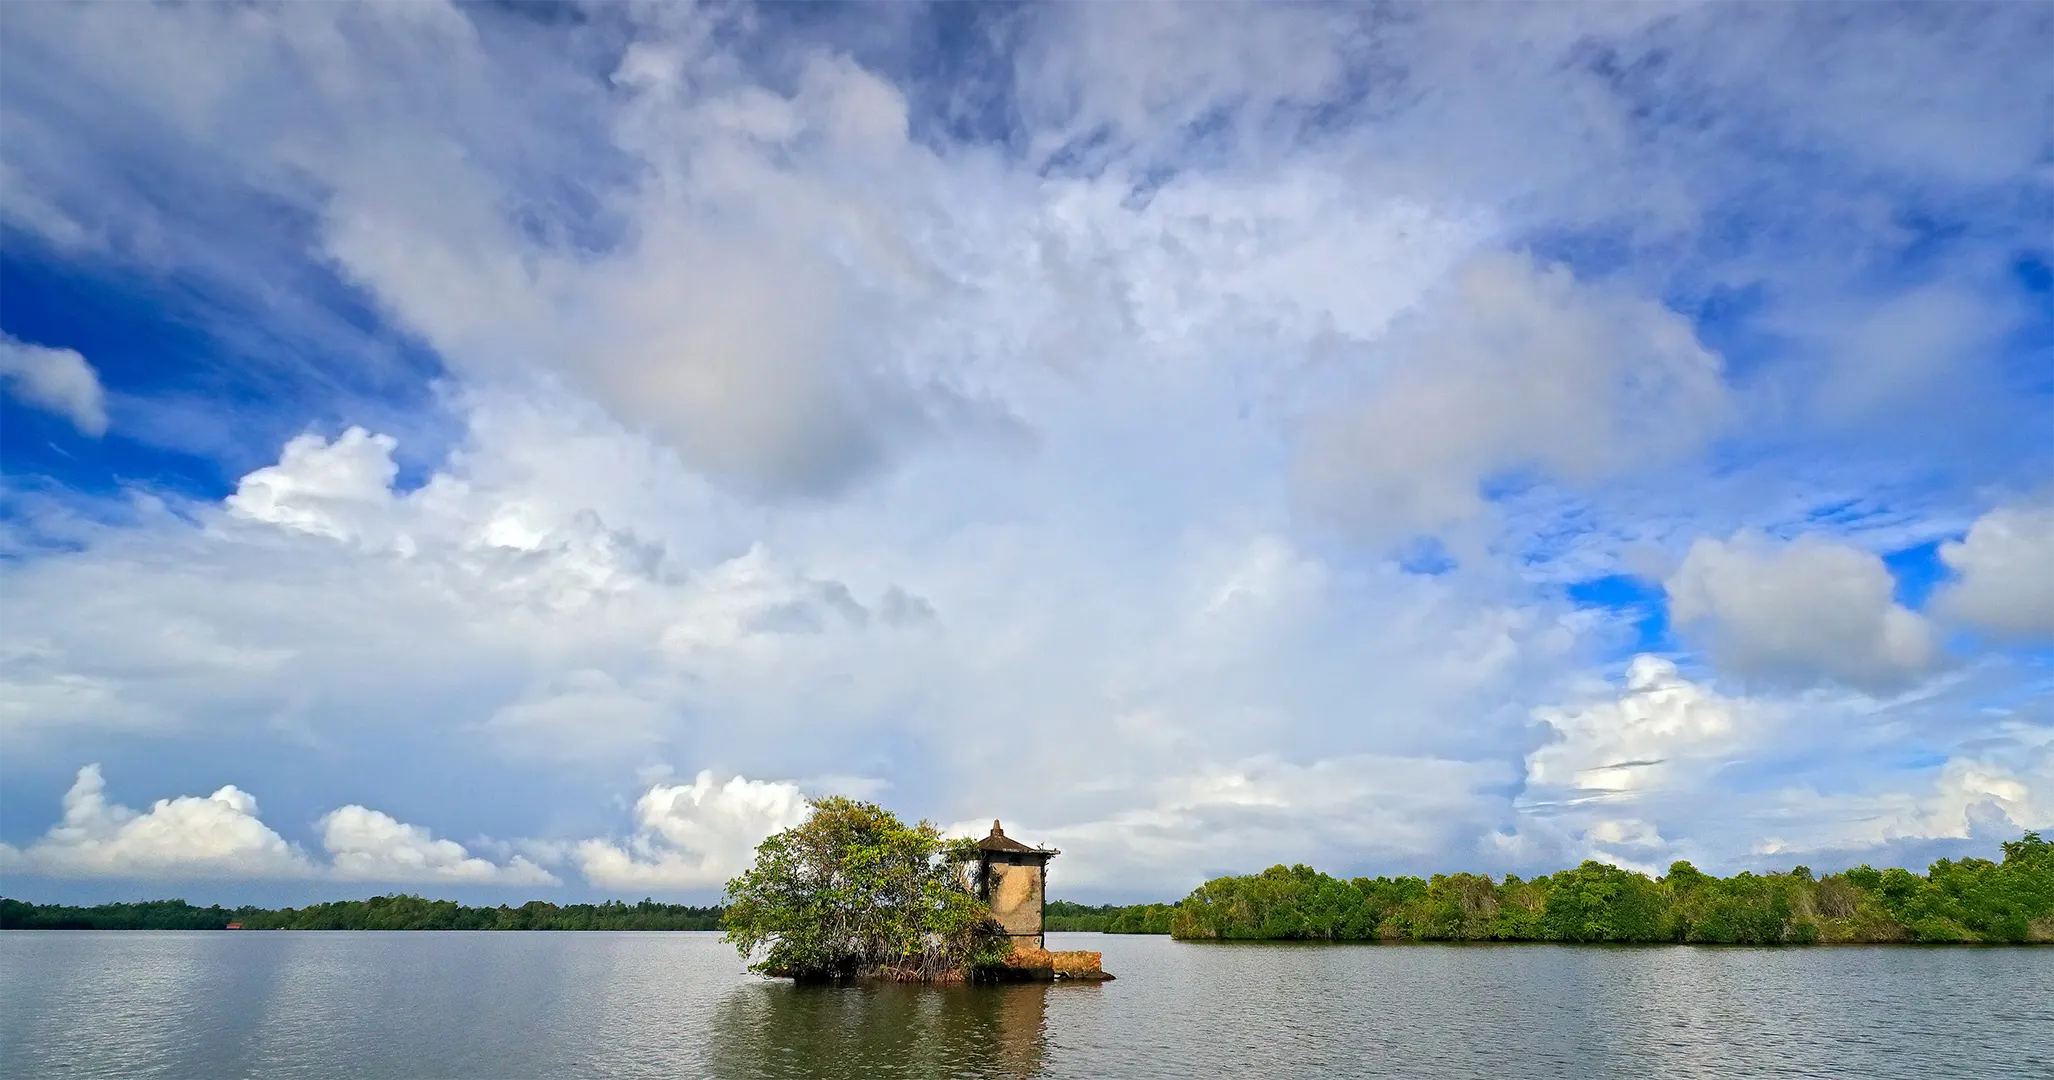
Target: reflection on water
779,1030
677,1006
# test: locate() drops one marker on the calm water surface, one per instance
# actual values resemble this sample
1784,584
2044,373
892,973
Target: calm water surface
279,1004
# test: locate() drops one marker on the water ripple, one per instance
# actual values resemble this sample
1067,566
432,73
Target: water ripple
570,1005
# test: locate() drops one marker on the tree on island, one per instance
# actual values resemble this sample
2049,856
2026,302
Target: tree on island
854,892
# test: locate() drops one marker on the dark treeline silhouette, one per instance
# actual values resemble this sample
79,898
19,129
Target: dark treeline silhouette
376,913
1966,901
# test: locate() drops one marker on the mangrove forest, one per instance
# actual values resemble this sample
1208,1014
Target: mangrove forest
863,892
1964,901
376,913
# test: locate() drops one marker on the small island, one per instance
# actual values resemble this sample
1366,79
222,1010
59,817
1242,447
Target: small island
854,893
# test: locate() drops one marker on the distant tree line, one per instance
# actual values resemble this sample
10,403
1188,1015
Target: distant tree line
377,913
1061,915
1965,901
1972,900
142,915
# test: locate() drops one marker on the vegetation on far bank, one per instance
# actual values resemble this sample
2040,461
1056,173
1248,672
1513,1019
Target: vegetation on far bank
867,894
1965,901
376,913
1061,915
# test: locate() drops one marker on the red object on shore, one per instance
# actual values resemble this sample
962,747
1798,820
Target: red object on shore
233,926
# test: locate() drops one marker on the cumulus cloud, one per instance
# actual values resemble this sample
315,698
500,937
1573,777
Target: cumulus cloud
1520,367
1630,772
1800,612
747,287
536,629
750,294
817,409
341,489
319,486
2016,787
58,381
784,351
693,836
366,845
1988,793
2004,572
1659,726
1350,812
219,835
1667,767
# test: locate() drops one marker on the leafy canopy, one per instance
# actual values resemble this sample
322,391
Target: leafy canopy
1969,900
856,892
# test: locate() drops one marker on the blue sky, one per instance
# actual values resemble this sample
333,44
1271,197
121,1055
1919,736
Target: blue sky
504,451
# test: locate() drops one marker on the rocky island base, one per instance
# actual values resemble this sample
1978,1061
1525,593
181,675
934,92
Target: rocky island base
1042,965
1021,965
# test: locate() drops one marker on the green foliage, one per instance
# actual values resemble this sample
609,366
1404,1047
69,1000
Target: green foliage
1456,907
1744,909
1973,900
2029,852
415,913
866,894
1061,915
1600,902
855,892
1143,919
143,915
376,913
1295,902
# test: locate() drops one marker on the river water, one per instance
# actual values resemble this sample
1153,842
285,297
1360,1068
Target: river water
560,1005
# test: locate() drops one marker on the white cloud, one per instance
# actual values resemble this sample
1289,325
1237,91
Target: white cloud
693,836
1125,83
1660,727
1906,351
59,381
366,845
1668,767
184,837
538,629
801,435
1354,811
221,836
1632,774
321,487
36,214
2005,572
584,712
1796,613
1520,366
2003,786
2018,786
761,314
41,692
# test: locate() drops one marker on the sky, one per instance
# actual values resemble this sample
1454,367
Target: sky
513,451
